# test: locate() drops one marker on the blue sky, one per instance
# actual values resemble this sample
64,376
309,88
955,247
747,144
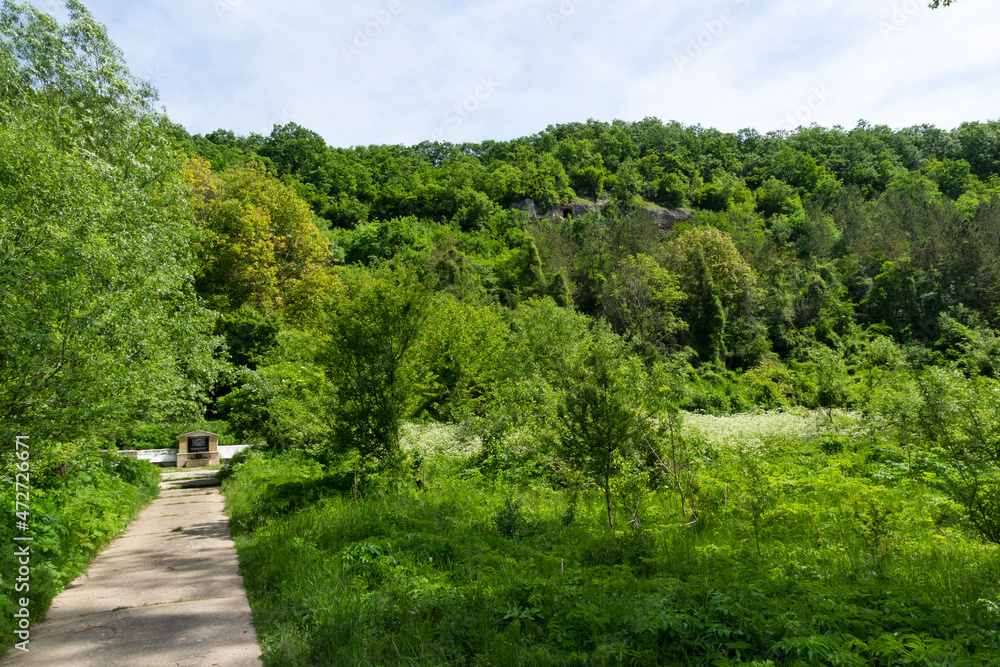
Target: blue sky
405,71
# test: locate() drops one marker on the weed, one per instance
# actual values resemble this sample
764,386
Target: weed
873,520
509,519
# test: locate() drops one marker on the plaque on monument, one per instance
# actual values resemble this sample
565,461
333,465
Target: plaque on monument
197,444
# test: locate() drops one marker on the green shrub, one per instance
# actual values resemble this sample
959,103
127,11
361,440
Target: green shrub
74,515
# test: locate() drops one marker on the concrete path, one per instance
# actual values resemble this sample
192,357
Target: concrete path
167,592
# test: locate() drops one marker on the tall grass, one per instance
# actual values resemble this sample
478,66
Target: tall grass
856,566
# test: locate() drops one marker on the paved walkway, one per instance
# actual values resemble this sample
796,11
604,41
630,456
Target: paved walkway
156,595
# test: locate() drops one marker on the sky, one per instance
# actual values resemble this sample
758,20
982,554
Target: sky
406,71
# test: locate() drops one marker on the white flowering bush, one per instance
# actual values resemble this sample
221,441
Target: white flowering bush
765,432
437,441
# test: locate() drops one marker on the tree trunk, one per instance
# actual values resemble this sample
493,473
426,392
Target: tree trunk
607,497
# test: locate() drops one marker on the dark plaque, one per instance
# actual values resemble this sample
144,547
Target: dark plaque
198,443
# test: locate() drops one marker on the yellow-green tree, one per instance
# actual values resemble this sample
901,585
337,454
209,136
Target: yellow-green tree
642,300
720,286
259,245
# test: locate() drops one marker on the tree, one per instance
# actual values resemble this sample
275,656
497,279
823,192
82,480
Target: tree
260,246
776,197
720,286
953,177
458,359
98,322
285,401
371,333
72,81
671,190
708,317
601,414
294,149
641,301
957,420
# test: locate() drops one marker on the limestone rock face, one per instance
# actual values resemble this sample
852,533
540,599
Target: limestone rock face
664,218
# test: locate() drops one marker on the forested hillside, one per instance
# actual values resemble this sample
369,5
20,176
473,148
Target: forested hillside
767,431
816,239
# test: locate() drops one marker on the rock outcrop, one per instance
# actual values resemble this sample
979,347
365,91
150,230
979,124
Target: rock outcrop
664,218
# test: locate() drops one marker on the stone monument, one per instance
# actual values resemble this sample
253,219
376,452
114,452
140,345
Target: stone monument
197,448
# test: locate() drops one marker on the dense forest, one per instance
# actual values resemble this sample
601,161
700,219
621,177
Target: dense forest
496,386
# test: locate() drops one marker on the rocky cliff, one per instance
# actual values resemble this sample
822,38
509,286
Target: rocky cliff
664,218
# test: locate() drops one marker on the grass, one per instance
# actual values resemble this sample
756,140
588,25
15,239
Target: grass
857,564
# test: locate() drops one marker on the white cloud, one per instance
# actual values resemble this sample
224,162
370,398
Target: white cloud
248,64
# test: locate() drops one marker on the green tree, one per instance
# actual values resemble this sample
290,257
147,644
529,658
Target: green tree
954,177
371,335
546,341
602,414
642,301
957,420
708,316
98,322
776,197
720,286
459,358
671,190
286,400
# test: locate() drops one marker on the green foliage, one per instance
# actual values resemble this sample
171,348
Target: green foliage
459,357
366,542
483,574
249,335
98,324
509,519
371,335
757,499
260,246
775,197
641,302
958,417
602,414
828,210
73,516
953,177
719,285
286,402
873,518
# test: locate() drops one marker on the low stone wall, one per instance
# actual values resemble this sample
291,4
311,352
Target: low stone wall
168,457
229,451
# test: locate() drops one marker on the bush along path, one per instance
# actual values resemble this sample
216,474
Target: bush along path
168,592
